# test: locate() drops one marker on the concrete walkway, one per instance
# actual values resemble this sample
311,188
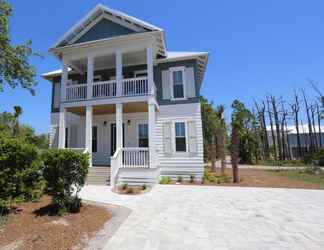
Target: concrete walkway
200,217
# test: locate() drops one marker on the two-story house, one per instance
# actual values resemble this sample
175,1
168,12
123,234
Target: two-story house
133,105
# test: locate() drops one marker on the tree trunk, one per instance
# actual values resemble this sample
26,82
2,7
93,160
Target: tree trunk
276,118
310,134
319,126
272,132
213,155
235,154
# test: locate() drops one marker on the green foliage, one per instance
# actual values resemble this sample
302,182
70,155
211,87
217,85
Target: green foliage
316,158
179,179
287,163
65,172
15,69
8,124
20,172
165,180
210,177
192,178
214,128
246,124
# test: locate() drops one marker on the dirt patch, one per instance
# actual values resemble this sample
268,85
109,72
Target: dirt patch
34,231
260,178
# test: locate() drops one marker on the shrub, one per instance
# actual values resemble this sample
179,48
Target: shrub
192,178
165,180
65,172
179,179
315,158
20,172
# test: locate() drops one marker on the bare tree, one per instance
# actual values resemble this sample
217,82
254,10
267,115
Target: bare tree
235,153
276,120
272,131
310,131
295,107
264,134
319,116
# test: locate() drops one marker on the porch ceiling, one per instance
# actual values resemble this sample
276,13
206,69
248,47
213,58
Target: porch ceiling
106,109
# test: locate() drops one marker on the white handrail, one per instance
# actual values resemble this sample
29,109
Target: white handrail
135,86
104,89
135,157
76,92
115,164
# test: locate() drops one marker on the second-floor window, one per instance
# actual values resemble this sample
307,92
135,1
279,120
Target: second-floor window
177,81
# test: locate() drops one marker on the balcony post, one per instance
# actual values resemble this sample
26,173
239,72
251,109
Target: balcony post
151,130
88,132
64,80
61,138
90,62
149,60
119,72
119,125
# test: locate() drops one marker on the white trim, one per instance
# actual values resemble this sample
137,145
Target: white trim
141,122
174,137
183,70
101,8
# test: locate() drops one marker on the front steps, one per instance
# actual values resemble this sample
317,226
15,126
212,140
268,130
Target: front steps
98,176
138,176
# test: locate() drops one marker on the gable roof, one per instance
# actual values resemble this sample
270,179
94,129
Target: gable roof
95,15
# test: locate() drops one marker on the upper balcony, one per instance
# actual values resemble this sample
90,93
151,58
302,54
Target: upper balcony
114,75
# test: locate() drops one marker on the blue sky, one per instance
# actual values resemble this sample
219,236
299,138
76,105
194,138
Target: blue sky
257,47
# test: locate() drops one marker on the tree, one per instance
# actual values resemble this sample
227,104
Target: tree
15,69
18,112
221,137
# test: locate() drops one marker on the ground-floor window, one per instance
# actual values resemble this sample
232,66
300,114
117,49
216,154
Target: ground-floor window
180,137
143,135
94,139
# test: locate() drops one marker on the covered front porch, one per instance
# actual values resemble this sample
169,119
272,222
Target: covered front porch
106,129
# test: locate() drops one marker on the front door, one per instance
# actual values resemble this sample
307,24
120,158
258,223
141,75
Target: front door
113,138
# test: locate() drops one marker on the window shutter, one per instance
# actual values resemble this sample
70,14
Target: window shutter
190,83
167,138
74,136
57,95
192,137
166,90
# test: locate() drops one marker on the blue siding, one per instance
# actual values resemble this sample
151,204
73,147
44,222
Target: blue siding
104,29
158,81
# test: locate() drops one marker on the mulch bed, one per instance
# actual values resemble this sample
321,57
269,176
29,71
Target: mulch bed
31,229
263,178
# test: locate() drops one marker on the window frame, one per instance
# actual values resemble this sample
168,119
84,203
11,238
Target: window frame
138,135
175,136
177,69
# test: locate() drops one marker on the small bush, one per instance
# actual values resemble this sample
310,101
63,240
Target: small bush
65,172
20,172
179,179
316,159
192,178
165,180
144,187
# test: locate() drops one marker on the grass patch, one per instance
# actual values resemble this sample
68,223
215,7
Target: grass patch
285,163
302,175
211,177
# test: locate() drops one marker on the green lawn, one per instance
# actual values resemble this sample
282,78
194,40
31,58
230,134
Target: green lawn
302,175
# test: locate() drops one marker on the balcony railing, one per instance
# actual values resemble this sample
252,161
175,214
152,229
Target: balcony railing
135,157
107,89
104,89
135,86
76,92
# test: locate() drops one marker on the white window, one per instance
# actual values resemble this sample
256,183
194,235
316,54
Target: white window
140,73
177,82
180,137
143,135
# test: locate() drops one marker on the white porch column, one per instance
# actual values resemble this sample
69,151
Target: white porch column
149,60
119,125
90,62
61,137
119,72
151,130
64,79
88,130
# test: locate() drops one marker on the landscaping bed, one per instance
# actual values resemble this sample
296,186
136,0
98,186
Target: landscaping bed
259,178
32,227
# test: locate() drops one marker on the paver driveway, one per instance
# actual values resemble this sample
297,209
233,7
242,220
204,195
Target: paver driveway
200,217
